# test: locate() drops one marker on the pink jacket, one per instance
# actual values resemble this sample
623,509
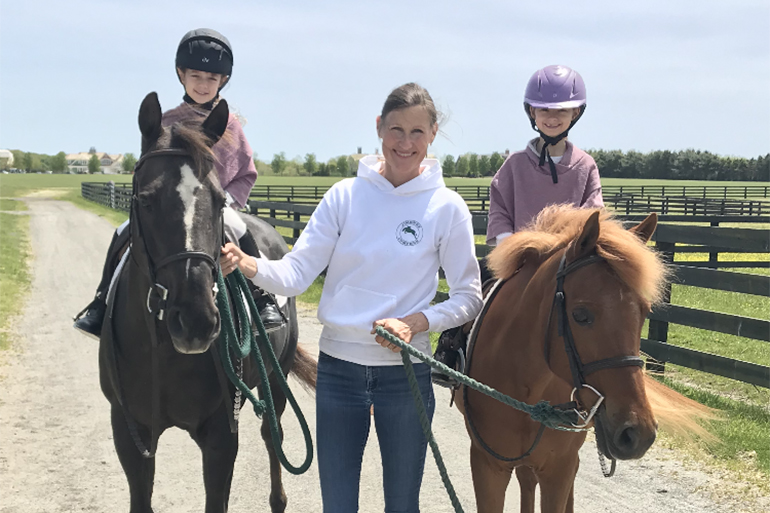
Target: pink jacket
521,188
234,162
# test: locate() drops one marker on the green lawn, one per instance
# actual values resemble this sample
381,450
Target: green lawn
14,269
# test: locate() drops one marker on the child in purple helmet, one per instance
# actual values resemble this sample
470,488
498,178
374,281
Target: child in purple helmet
549,171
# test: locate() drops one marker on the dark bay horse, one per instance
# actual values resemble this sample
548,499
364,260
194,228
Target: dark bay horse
576,289
157,358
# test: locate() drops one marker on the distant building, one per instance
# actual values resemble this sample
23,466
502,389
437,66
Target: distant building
112,164
6,158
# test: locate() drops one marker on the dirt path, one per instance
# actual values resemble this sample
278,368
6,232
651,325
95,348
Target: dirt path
56,452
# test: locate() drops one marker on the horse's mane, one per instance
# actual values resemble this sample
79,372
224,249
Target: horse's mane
634,263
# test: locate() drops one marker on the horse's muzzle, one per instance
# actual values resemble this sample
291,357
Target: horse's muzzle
627,441
193,334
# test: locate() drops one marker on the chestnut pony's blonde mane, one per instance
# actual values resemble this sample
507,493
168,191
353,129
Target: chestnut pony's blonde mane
634,263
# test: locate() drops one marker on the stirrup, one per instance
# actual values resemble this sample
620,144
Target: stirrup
446,381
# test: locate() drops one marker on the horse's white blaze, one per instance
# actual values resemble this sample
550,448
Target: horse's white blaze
187,187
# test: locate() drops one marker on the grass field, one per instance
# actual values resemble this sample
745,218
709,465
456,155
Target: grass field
14,268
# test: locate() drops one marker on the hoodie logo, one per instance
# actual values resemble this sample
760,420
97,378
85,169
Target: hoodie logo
205,59
409,233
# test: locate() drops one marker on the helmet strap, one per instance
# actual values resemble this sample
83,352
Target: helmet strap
205,106
552,141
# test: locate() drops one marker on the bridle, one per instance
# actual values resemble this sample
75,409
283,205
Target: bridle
157,295
578,369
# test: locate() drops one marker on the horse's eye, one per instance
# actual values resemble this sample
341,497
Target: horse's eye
582,316
144,202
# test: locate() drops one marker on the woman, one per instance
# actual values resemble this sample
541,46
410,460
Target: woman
382,237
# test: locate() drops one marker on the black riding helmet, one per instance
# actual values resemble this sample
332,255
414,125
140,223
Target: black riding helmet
205,50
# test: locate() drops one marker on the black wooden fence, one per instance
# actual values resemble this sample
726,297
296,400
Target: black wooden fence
113,195
664,199
669,239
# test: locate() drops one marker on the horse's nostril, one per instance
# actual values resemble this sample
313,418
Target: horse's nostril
627,438
175,325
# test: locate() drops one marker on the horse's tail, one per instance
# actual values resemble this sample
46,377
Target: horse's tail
305,368
678,414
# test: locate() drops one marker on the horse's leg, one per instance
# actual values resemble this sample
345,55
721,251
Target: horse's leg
556,484
277,495
489,483
571,499
527,483
140,471
219,448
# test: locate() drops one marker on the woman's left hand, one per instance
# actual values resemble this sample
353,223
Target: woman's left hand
404,328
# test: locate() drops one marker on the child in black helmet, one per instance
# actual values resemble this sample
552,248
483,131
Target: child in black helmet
204,64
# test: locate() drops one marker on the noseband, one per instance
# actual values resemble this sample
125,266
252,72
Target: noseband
157,295
578,369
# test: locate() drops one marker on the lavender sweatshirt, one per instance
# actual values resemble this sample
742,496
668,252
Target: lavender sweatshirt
521,188
234,164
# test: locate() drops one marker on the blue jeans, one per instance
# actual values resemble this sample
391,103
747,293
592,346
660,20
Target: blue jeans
344,393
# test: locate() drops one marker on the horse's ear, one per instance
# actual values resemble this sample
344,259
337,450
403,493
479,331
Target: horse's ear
646,228
586,242
216,124
149,120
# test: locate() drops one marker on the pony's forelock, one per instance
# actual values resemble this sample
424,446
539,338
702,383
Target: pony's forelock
634,263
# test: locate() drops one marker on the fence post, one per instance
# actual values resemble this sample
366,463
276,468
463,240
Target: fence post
295,233
658,330
112,194
714,255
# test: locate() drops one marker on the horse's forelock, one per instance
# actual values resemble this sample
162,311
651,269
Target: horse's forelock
635,264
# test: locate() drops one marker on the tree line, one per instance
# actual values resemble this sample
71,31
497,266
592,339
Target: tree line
32,162
664,165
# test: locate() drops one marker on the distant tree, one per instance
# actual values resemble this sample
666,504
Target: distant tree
59,162
485,168
94,165
92,149
462,167
322,169
310,165
342,166
473,165
129,161
27,161
495,161
448,166
279,163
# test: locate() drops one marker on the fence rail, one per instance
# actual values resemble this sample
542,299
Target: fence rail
113,195
664,199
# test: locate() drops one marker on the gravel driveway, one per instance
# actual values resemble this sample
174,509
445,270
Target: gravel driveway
56,452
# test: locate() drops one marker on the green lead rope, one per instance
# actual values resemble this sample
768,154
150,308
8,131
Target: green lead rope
246,343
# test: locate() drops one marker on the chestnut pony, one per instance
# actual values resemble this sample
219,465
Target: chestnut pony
575,290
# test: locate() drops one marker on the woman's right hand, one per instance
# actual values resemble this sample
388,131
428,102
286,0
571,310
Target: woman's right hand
233,257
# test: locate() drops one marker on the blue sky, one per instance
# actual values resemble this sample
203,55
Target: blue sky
312,76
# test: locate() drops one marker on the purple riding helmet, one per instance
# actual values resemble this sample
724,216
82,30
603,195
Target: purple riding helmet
554,87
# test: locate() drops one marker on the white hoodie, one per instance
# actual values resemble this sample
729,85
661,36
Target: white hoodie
383,246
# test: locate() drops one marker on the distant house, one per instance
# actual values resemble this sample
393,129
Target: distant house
111,163
6,158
